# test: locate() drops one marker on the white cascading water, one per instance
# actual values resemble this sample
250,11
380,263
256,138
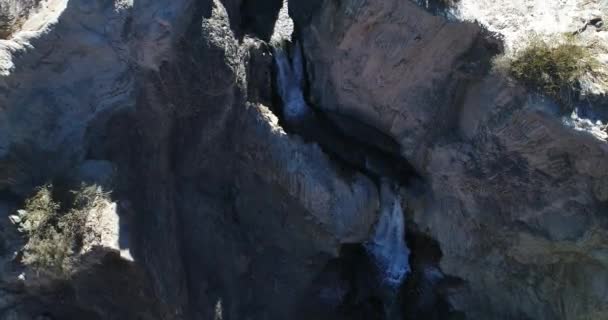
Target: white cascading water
290,75
387,245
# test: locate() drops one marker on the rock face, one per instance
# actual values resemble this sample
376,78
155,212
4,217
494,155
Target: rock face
172,104
67,69
391,68
224,222
102,274
13,14
514,198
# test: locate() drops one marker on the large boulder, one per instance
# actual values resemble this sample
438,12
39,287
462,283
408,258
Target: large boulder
390,65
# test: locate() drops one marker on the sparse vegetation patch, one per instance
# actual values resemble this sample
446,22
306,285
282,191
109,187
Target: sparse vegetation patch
554,67
54,232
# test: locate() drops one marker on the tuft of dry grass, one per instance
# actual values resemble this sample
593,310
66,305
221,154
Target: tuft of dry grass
555,67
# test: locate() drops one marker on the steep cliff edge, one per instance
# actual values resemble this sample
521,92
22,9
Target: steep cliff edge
228,215
232,212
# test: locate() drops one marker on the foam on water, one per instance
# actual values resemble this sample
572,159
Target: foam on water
387,245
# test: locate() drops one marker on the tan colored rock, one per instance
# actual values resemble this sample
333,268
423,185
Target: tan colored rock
64,70
388,64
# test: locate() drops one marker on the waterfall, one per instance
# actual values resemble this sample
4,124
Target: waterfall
290,76
387,245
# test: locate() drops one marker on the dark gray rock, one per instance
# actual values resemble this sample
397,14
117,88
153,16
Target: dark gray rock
514,197
169,103
226,210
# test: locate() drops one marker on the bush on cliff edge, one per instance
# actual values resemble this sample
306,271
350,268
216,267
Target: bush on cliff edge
54,233
553,67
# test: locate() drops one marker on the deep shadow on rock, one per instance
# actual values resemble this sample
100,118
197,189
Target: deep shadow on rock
238,212
513,195
111,289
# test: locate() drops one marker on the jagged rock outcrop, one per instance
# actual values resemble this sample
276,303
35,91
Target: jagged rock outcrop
255,209
391,68
66,69
515,198
227,212
13,14
227,215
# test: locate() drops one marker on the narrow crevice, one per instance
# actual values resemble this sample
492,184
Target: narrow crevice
424,294
363,283
350,286
347,288
317,127
258,17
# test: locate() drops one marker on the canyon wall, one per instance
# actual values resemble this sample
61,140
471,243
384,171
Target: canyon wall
515,198
228,214
223,211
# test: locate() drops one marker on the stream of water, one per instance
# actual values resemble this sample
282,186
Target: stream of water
290,75
387,246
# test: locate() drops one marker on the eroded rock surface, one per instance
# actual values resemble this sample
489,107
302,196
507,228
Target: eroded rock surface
66,69
514,196
391,66
13,14
228,213
229,216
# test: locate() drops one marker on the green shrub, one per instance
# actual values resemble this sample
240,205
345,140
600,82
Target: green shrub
553,68
54,234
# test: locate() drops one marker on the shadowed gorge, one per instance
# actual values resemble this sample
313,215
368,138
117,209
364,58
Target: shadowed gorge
298,159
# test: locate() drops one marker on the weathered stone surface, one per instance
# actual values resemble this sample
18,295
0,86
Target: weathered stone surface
225,210
344,204
514,197
390,65
515,213
13,14
67,65
228,214
518,22
280,215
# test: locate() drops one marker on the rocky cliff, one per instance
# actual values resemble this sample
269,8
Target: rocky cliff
232,210
514,196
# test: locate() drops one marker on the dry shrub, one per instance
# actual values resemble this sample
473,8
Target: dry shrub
54,234
554,67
